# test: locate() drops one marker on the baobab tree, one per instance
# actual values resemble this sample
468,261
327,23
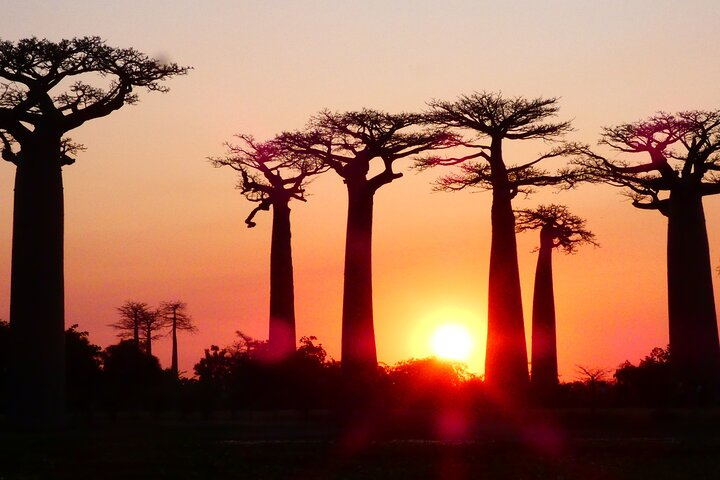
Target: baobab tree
678,167
562,230
141,323
46,90
131,320
491,120
348,143
177,318
272,176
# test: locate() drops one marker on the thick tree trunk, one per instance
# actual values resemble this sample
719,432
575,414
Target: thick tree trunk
282,290
694,347
544,343
174,362
37,365
358,334
506,369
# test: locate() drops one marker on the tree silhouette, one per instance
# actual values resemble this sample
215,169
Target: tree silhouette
131,320
272,176
46,90
83,368
177,318
152,324
348,143
493,119
679,168
558,229
131,375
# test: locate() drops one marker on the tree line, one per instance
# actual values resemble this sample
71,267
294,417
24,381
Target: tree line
40,104
123,378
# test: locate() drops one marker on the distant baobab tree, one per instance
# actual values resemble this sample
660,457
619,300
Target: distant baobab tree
177,318
46,90
679,167
271,176
348,143
491,119
562,230
131,320
141,323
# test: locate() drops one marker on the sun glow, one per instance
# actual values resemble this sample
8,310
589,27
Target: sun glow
452,341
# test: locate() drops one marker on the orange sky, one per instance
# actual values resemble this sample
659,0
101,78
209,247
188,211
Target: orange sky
148,218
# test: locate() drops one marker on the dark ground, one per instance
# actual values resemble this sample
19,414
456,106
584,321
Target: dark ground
540,444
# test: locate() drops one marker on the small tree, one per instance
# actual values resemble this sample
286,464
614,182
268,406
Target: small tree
46,90
177,318
558,229
271,176
678,167
348,143
491,120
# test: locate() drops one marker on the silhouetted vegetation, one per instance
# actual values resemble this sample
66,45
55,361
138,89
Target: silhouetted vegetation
558,229
272,175
46,90
678,169
176,318
348,143
246,375
141,323
490,121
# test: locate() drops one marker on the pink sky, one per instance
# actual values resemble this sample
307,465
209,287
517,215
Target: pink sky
148,218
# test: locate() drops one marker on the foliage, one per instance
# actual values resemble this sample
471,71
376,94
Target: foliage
566,230
242,376
270,172
141,323
83,361
487,118
58,86
348,142
678,150
426,382
174,314
648,383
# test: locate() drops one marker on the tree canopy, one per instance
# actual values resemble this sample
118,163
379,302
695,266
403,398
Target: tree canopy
58,86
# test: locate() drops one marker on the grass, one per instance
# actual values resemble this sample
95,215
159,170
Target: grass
588,445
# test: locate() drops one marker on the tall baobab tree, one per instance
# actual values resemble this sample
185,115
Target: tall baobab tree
272,176
562,230
46,90
177,318
679,166
348,143
492,120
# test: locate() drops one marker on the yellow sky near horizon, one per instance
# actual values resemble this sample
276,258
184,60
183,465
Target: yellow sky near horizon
149,219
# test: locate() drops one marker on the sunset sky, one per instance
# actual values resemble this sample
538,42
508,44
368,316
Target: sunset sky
149,219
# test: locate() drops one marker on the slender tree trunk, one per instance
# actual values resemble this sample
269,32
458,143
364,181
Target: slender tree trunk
694,347
174,362
358,334
136,331
544,343
148,341
37,312
282,289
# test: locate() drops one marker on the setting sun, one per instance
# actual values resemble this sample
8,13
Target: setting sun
452,341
